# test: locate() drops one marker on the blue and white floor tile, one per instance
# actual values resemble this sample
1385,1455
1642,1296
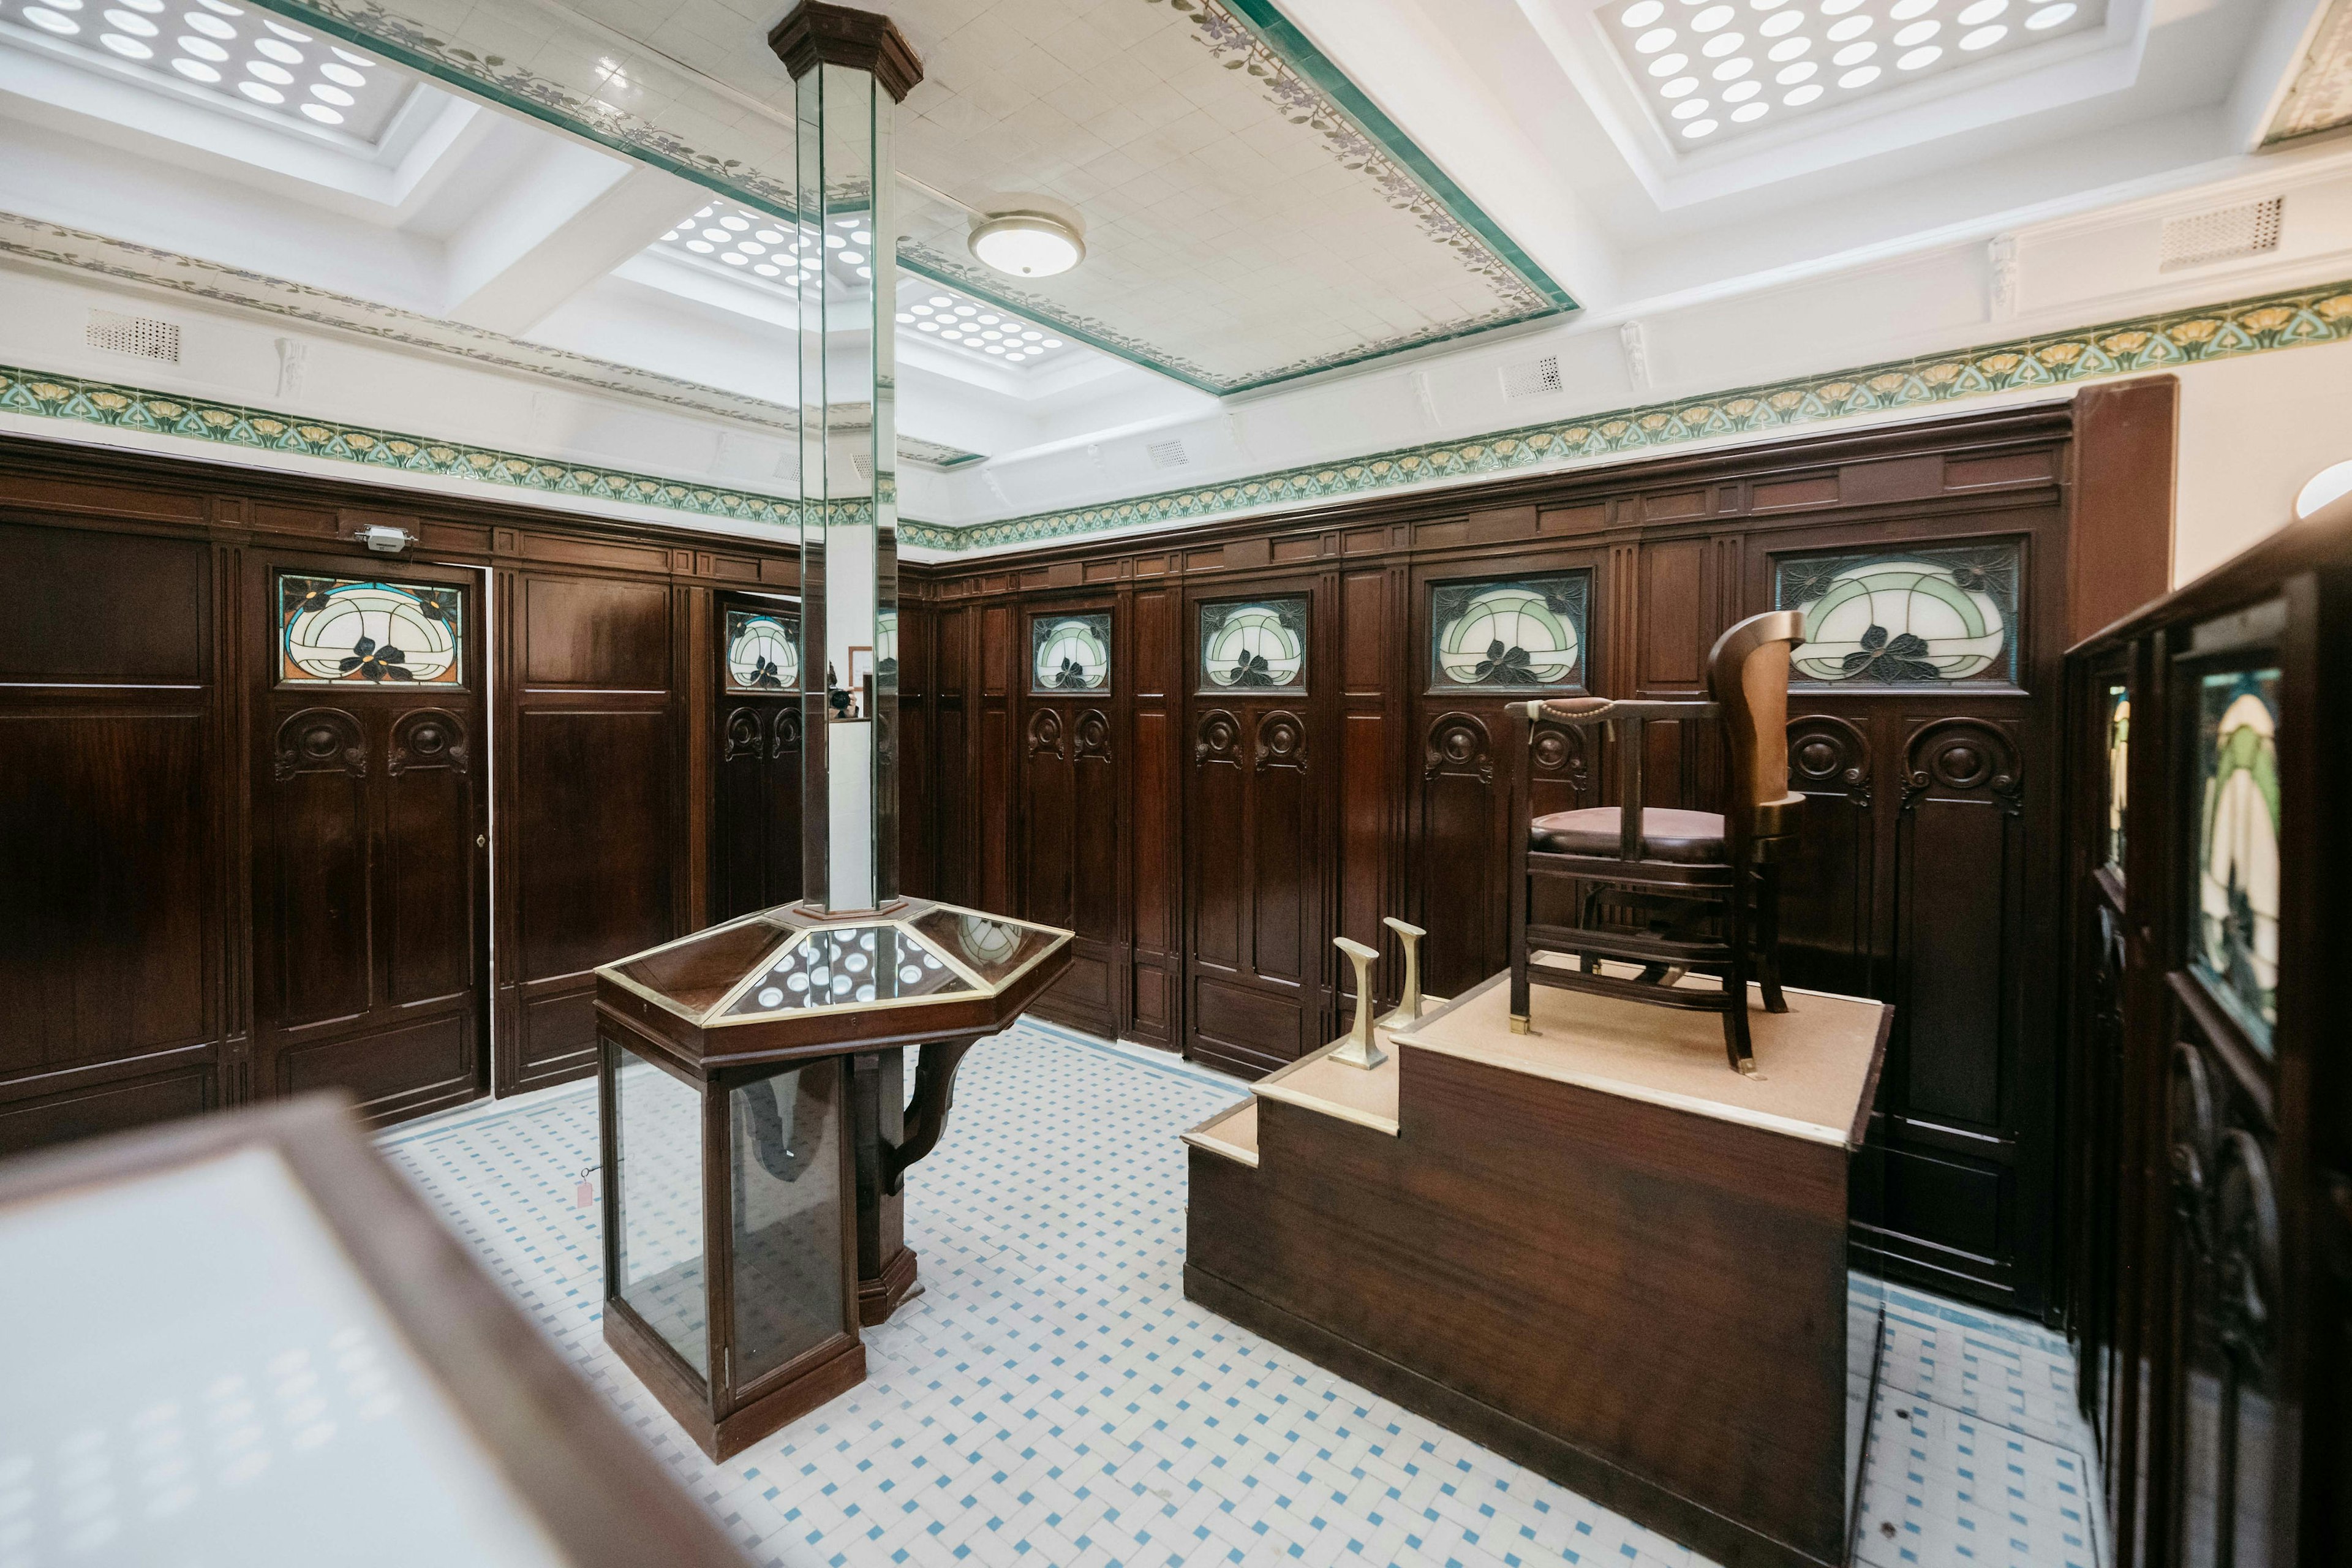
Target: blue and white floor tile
1053,1399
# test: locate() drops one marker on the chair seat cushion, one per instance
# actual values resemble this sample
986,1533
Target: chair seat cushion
1690,836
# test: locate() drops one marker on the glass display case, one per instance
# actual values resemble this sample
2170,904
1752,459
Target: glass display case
754,1140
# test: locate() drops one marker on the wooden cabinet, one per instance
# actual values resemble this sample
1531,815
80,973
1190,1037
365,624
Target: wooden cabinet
2209,1106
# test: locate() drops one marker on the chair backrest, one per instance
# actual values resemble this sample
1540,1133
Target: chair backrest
1748,675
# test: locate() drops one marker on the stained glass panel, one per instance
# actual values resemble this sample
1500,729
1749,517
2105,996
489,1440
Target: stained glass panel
335,630
1259,646
1069,653
2118,772
2235,944
1520,633
1921,616
763,650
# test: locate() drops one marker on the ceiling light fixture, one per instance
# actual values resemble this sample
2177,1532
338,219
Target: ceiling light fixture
1027,243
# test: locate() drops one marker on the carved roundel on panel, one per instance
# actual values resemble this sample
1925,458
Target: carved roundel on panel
744,734
1828,755
2246,1245
1217,738
1046,731
788,732
1281,740
427,738
1457,743
2194,1130
1964,756
320,740
1094,733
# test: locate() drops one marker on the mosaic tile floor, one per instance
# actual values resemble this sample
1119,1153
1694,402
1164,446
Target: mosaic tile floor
1053,1398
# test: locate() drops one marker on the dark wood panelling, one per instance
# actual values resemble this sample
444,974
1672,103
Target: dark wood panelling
141,814
1395,811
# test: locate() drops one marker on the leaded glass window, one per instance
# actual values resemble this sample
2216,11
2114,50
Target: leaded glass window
2235,944
1256,646
1520,633
2118,772
1922,616
335,630
763,650
1069,653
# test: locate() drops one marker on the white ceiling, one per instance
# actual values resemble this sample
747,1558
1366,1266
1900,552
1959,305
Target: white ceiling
1244,230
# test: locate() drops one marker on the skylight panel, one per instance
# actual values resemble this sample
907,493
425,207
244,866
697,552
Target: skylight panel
227,56
765,251
1711,70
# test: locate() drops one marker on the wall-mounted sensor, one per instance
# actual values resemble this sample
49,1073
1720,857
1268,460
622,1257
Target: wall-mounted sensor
386,540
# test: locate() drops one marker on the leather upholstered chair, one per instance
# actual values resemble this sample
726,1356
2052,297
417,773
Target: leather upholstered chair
1688,891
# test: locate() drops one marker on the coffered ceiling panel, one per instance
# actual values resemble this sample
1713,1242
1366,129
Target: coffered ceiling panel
1250,216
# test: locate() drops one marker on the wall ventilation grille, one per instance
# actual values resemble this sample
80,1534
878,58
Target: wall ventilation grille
2197,240
142,335
1532,378
864,464
1168,454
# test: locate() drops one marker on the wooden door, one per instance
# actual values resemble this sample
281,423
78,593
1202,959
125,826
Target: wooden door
755,820
369,831
1255,868
1071,773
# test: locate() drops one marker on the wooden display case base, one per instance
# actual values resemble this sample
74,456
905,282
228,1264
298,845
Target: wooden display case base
824,1373
1593,1247
877,1299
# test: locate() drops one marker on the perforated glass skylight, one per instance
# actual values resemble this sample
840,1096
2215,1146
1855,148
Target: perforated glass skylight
223,54
757,248
1714,69
939,314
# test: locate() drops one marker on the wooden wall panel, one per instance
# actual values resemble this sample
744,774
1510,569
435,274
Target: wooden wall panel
1400,813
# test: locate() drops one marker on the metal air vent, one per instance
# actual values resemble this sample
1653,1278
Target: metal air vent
1168,454
1532,378
143,336
2222,234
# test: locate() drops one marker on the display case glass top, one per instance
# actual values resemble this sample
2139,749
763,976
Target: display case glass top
778,963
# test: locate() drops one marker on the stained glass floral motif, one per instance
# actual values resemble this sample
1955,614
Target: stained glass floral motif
1259,647
333,630
1919,617
2236,941
1523,634
2118,772
1069,653
763,650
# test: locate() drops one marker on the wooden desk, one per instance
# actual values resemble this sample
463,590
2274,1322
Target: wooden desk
1593,1248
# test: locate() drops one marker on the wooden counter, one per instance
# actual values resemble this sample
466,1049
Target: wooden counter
1593,1248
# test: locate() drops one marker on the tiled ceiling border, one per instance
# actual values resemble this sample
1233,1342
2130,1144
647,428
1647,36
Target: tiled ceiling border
1244,34
2169,341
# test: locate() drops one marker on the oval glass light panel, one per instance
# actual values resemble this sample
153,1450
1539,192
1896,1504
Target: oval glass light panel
1714,16
133,23
49,21
1918,59
1749,112
283,31
210,26
1786,22
1789,48
1028,245
2331,483
1689,108
1678,87
1741,91
1982,12
1642,14
322,114
1917,33
1698,128
1668,65
129,48
195,71
1732,70
275,76
1985,38
1802,95
1650,42
341,100
261,93
1862,76
350,77
279,49
2051,16
203,49
1795,74
1723,43
1853,54
1851,28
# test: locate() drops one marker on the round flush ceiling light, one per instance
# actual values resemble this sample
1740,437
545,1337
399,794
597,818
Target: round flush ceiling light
1027,244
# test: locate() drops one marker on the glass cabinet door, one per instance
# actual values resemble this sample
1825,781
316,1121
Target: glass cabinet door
657,1139
790,1290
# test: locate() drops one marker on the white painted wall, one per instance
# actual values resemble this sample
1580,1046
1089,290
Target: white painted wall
2253,431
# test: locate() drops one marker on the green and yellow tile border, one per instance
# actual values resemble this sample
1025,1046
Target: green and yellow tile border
2166,341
